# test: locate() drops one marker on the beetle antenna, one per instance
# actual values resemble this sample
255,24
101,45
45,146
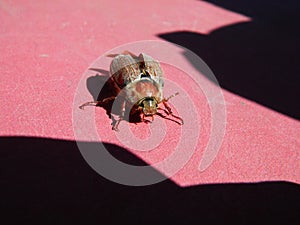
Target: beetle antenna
168,98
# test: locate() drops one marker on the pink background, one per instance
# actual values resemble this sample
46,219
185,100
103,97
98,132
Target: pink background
46,47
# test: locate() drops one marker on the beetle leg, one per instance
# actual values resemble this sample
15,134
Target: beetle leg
121,117
126,52
123,53
95,103
143,117
164,101
167,118
168,108
158,108
147,121
108,99
116,125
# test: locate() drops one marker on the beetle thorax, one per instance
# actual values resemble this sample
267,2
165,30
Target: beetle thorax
141,89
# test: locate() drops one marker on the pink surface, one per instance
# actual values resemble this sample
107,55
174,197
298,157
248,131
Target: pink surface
46,48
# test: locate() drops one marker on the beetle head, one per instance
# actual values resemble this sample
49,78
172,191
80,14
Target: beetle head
149,106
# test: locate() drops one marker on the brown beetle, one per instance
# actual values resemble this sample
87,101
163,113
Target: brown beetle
140,82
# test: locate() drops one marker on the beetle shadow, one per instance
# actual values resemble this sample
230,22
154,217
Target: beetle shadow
109,90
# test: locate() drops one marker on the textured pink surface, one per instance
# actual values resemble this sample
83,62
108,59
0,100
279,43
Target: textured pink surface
47,46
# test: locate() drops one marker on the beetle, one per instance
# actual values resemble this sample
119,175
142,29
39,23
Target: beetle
139,81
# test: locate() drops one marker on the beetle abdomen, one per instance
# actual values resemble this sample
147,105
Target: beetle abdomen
141,89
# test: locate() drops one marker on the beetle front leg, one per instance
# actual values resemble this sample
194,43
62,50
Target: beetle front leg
147,121
121,116
95,103
168,108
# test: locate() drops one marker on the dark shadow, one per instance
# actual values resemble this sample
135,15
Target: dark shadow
45,181
257,60
94,83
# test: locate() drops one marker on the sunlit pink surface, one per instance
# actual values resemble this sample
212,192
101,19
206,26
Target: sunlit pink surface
46,47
